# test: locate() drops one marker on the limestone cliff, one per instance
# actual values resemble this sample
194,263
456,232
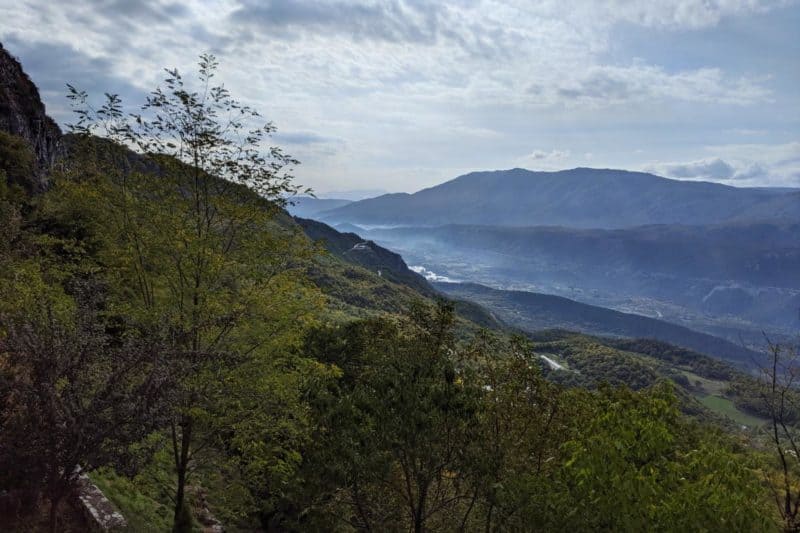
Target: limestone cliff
22,113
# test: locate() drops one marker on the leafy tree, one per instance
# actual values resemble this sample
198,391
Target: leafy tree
393,437
190,227
778,394
637,465
72,397
523,421
16,164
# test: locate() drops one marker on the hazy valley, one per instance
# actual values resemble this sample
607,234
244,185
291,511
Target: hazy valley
735,276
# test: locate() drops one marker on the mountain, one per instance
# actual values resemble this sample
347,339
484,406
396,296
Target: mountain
23,114
579,198
532,312
354,249
359,275
331,395
308,206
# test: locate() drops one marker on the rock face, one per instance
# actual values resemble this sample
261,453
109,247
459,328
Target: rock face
22,113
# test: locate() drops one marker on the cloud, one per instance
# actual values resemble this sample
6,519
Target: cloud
552,155
714,169
611,85
751,171
127,11
684,14
53,65
747,132
415,91
740,164
302,138
387,20
762,163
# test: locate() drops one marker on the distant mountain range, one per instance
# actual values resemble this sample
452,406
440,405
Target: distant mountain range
577,198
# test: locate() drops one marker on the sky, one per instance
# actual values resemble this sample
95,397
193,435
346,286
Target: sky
398,95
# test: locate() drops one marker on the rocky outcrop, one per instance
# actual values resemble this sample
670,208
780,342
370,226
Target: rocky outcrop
22,113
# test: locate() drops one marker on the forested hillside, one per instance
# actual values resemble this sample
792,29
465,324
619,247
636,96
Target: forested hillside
531,311
209,361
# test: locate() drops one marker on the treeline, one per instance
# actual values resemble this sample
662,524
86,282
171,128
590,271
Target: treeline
158,330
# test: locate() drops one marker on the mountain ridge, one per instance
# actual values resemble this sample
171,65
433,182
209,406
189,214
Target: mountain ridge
580,198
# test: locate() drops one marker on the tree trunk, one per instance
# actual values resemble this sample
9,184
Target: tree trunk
54,514
488,528
419,517
182,466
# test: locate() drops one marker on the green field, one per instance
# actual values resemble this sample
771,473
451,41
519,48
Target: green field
724,406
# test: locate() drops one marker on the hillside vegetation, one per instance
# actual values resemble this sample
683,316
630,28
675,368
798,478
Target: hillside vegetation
533,312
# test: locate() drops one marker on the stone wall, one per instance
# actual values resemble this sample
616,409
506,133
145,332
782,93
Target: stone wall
101,515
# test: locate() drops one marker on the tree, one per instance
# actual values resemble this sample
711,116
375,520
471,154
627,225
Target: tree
393,434
16,163
523,422
72,397
637,465
190,225
778,392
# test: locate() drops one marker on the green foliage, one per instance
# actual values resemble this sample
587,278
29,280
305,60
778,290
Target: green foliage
594,363
16,164
189,230
142,512
391,432
637,466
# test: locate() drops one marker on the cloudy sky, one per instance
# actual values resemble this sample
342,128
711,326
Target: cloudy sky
398,95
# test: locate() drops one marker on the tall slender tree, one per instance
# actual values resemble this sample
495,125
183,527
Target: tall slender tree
191,219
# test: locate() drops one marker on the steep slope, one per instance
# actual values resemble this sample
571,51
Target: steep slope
354,249
532,312
360,276
22,113
581,197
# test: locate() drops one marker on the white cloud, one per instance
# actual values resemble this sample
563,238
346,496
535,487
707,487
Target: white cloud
684,14
740,164
712,169
552,155
408,89
609,85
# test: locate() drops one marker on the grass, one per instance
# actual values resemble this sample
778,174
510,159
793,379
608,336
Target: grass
141,512
724,406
